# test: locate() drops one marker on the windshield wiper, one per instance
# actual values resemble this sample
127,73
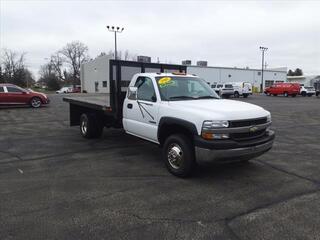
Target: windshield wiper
181,97
206,97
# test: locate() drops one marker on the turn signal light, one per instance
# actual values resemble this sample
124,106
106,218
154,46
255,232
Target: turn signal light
211,136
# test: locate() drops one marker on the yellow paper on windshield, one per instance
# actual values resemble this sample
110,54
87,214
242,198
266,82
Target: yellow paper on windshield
165,81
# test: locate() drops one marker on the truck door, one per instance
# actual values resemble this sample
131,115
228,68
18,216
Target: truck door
141,114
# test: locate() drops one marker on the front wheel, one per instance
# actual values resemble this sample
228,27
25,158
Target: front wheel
178,155
90,127
245,95
236,95
35,102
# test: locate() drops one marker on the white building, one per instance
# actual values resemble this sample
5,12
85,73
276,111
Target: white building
305,80
227,74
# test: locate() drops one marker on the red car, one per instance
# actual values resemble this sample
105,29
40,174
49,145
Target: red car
13,95
286,89
76,89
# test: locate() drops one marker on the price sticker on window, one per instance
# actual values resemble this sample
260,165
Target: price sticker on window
165,81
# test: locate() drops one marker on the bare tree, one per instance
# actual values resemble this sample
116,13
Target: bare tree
126,55
57,61
14,69
75,53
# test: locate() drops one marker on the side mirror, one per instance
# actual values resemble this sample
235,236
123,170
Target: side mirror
132,93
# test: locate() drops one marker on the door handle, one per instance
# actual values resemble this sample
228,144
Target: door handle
129,105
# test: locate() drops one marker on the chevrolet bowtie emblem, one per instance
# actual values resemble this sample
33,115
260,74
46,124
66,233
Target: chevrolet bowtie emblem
253,129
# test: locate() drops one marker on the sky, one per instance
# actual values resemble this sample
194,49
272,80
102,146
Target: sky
224,33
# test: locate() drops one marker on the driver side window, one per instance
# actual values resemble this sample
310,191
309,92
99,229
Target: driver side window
13,90
146,90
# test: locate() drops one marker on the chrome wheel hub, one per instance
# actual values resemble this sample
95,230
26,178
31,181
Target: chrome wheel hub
175,156
84,127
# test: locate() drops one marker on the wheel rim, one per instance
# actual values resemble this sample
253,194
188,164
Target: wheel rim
84,126
35,102
175,156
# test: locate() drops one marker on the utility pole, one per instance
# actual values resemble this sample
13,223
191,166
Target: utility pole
115,30
263,49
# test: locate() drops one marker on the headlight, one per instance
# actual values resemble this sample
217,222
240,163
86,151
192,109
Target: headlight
208,125
208,130
269,118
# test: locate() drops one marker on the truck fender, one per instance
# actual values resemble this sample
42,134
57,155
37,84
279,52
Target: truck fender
169,125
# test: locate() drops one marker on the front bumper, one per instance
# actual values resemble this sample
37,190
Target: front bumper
233,152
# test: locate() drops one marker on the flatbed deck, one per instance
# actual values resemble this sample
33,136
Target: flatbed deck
97,101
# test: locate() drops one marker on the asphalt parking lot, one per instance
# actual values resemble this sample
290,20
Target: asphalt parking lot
56,185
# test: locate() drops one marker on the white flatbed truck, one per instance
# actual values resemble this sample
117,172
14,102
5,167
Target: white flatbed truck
181,114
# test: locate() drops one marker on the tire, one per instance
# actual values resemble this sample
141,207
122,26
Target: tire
303,94
178,155
286,94
236,95
35,102
90,127
245,95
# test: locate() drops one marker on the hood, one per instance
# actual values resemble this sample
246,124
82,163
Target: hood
220,109
38,93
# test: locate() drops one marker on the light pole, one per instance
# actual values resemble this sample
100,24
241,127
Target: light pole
263,49
115,30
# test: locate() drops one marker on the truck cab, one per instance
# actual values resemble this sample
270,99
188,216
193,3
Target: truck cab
193,125
184,116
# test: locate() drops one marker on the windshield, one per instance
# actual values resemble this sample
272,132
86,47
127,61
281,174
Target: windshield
184,88
228,86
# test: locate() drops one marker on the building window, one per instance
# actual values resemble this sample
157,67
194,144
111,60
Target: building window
104,84
259,73
229,75
96,86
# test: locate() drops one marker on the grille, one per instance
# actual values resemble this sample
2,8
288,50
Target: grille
249,122
248,135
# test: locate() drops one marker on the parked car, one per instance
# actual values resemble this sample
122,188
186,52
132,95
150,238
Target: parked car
76,89
243,89
286,89
307,91
317,88
65,90
13,95
224,90
182,115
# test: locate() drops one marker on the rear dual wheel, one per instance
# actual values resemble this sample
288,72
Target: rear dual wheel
90,126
